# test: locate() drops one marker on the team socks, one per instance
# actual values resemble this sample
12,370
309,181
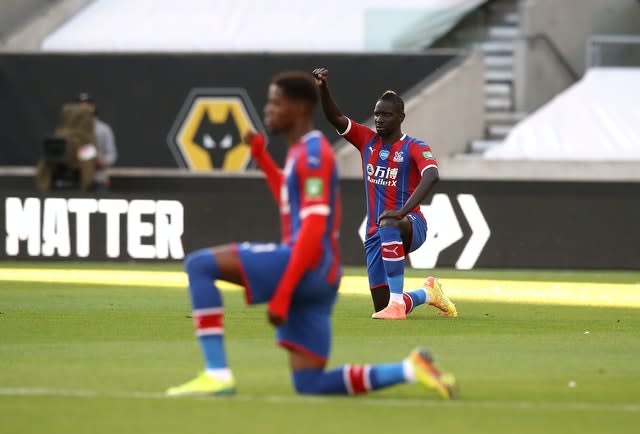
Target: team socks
352,379
208,312
412,299
393,257
415,298
392,251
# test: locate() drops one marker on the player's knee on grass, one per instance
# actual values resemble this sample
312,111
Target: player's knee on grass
308,381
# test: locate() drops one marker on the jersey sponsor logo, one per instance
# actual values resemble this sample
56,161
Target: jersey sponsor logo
427,154
398,157
207,133
313,188
370,169
384,154
385,176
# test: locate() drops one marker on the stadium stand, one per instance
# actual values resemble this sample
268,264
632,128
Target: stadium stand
14,13
245,25
595,119
25,23
529,56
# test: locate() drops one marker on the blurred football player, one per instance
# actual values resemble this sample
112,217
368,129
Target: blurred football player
297,278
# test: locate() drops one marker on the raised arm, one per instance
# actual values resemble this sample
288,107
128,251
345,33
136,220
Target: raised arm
329,107
265,162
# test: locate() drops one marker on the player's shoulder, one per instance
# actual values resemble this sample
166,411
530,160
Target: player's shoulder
357,131
413,141
316,149
362,128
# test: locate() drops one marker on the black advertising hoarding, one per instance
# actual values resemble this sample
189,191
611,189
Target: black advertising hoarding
472,224
153,101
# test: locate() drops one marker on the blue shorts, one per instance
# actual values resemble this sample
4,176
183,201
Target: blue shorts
308,326
372,246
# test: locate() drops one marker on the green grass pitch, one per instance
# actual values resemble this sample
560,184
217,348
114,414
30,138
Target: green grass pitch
94,358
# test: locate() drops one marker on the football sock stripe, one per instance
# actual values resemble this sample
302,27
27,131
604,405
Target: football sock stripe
206,301
392,252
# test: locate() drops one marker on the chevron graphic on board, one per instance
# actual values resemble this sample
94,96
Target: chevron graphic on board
444,230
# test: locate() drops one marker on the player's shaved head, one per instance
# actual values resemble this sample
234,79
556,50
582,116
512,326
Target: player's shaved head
394,98
297,85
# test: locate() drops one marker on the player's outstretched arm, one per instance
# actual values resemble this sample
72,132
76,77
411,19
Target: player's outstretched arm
304,253
265,162
329,107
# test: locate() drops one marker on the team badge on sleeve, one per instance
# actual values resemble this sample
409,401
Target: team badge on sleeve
427,154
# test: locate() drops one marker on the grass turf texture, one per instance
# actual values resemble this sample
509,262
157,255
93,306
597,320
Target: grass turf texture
92,358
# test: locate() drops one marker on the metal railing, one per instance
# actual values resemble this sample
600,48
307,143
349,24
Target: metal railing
595,53
557,54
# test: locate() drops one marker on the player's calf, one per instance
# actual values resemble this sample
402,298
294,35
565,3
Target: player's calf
359,379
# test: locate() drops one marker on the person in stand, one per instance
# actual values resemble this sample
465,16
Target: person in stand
107,153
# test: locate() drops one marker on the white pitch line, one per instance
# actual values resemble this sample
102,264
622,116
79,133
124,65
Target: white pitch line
276,399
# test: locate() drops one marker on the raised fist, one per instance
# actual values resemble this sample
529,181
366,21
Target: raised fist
321,75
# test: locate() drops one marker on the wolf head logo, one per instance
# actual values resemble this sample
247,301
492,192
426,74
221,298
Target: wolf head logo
207,133
217,138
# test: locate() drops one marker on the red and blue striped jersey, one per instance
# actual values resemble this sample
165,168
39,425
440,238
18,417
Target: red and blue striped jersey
310,186
391,172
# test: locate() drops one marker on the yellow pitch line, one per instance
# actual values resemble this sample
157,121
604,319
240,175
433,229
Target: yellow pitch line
498,291
516,291
164,279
